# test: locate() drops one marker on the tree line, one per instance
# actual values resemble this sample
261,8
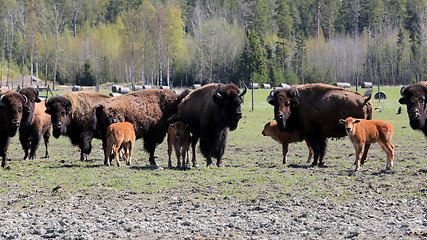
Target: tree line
178,43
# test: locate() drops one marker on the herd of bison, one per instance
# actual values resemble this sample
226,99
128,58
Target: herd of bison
310,112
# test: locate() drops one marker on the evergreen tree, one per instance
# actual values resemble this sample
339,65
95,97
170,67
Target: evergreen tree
88,77
253,68
300,57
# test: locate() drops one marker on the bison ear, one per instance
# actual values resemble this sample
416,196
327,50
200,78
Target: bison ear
171,125
342,121
68,106
357,121
271,98
402,101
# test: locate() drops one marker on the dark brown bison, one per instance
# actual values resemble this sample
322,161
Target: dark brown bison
11,108
414,97
35,124
148,111
72,115
210,111
315,110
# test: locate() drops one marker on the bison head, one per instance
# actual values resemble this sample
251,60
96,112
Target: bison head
414,97
13,105
32,95
229,100
59,109
283,101
349,125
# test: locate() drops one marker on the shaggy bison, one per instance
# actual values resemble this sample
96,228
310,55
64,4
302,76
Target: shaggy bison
72,115
283,137
11,108
148,111
35,124
120,136
209,112
179,139
361,131
315,110
414,97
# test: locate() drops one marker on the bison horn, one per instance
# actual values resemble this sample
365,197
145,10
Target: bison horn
244,91
270,97
402,91
295,96
25,99
217,94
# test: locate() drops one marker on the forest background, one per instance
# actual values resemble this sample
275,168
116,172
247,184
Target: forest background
178,42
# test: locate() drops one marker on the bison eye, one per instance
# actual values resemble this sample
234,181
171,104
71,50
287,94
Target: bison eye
287,104
421,100
63,114
19,109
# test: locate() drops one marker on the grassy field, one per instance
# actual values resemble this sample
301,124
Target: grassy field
253,167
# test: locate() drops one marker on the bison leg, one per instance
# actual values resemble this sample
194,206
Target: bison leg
359,150
388,148
34,145
285,151
365,153
310,151
46,137
178,156
170,155
5,144
194,140
130,150
25,143
85,145
319,145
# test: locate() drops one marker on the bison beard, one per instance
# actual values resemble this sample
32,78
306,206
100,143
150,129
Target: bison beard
210,112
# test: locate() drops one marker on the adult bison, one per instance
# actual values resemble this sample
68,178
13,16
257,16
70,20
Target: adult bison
11,109
209,112
148,111
315,111
72,115
35,124
414,97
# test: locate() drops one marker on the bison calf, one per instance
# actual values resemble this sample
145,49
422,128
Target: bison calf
271,129
179,138
120,136
363,131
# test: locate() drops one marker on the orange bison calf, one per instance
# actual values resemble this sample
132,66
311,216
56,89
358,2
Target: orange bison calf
363,131
120,136
271,129
179,138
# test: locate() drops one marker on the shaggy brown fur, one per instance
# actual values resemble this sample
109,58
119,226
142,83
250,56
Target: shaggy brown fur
11,108
210,111
314,110
363,131
148,111
179,139
271,129
31,132
120,136
72,115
